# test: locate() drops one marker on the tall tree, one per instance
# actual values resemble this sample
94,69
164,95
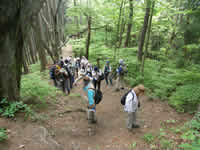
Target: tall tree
148,36
88,37
144,29
129,26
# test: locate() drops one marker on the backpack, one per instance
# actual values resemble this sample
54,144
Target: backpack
101,77
106,70
98,96
123,99
52,72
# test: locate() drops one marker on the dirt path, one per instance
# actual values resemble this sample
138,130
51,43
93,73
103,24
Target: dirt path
68,126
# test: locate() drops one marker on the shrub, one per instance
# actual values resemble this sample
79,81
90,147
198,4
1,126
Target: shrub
149,138
3,135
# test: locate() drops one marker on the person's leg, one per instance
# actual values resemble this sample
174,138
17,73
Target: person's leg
91,107
134,120
63,85
70,81
129,121
95,84
110,78
67,85
99,85
54,82
122,82
117,84
91,116
106,78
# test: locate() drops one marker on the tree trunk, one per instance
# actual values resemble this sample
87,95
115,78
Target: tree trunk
41,52
76,17
25,66
123,24
144,29
11,45
118,27
88,37
129,24
148,36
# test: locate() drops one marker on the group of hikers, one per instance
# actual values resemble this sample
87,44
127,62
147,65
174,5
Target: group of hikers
69,71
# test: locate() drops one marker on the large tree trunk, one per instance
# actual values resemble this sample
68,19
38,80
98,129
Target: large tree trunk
15,13
88,37
144,29
129,24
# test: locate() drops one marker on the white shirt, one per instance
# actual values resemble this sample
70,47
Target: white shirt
131,103
96,74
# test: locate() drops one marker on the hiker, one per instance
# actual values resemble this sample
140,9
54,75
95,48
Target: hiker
107,73
121,71
89,89
52,74
89,69
63,77
131,105
98,76
70,78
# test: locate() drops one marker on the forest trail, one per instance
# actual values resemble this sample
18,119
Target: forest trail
66,122
71,129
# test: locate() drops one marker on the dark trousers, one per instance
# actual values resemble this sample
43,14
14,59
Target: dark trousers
97,83
55,82
71,78
66,85
108,78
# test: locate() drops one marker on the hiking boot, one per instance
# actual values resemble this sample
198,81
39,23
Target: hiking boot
135,126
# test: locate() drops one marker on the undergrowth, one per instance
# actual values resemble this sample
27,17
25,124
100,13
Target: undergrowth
3,134
35,86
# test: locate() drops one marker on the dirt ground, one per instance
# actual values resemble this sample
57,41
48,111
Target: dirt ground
66,122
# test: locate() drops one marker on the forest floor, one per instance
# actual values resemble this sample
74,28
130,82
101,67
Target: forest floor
66,122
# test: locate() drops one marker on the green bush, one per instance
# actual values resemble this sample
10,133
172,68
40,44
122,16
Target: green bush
186,97
149,138
9,109
3,135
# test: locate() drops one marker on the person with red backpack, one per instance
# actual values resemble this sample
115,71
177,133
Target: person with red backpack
131,103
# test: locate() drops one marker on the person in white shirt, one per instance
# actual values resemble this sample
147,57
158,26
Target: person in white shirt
97,75
131,105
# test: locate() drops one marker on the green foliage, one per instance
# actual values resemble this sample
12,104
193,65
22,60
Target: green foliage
9,109
133,145
186,97
166,144
3,134
149,138
35,88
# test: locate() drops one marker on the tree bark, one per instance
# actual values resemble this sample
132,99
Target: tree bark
144,29
148,36
129,24
88,37
118,27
